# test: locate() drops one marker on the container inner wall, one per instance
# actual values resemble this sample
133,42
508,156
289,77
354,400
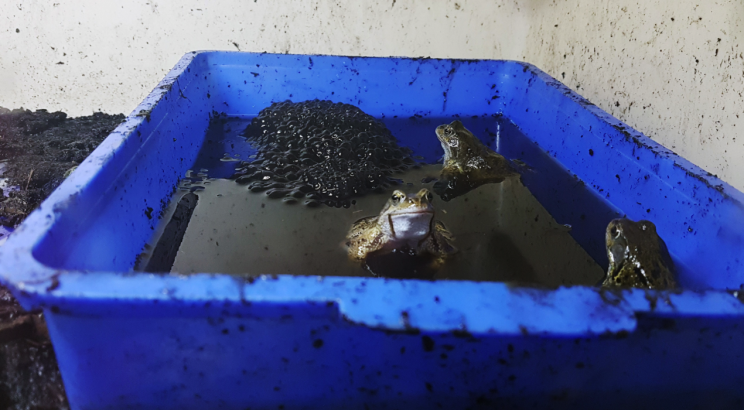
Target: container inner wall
106,224
502,232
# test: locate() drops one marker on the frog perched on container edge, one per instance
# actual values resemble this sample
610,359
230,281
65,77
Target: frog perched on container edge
468,163
405,230
638,256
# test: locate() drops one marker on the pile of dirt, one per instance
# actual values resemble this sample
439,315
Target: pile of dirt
37,149
29,377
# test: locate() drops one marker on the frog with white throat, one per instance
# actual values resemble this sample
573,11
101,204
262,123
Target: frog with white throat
404,233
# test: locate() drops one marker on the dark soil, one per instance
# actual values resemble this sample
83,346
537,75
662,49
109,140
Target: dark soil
37,150
29,378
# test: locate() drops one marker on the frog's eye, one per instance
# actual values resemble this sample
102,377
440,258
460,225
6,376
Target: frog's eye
449,130
614,232
429,196
397,197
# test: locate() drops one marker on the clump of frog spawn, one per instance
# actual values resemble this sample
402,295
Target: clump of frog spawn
320,152
638,256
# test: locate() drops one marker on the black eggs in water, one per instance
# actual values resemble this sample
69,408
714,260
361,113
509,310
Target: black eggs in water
328,151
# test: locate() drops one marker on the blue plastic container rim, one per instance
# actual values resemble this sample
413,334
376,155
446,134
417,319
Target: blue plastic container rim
396,305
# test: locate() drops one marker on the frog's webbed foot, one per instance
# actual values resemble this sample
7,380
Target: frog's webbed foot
454,181
454,185
402,263
441,241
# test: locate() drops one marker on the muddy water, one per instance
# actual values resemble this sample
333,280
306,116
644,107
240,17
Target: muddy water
502,232
214,225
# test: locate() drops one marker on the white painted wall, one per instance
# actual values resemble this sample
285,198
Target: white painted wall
671,69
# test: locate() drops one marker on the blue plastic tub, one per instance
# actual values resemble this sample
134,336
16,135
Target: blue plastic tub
133,340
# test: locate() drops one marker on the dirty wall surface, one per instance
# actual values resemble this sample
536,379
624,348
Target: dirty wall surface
672,70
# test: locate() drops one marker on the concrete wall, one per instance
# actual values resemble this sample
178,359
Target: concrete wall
672,70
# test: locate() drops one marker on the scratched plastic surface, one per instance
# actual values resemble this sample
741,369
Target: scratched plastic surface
131,340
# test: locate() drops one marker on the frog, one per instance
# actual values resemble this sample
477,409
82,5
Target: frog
468,163
638,256
406,225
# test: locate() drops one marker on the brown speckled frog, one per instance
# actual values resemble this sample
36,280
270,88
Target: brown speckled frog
638,256
468,163
406,223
